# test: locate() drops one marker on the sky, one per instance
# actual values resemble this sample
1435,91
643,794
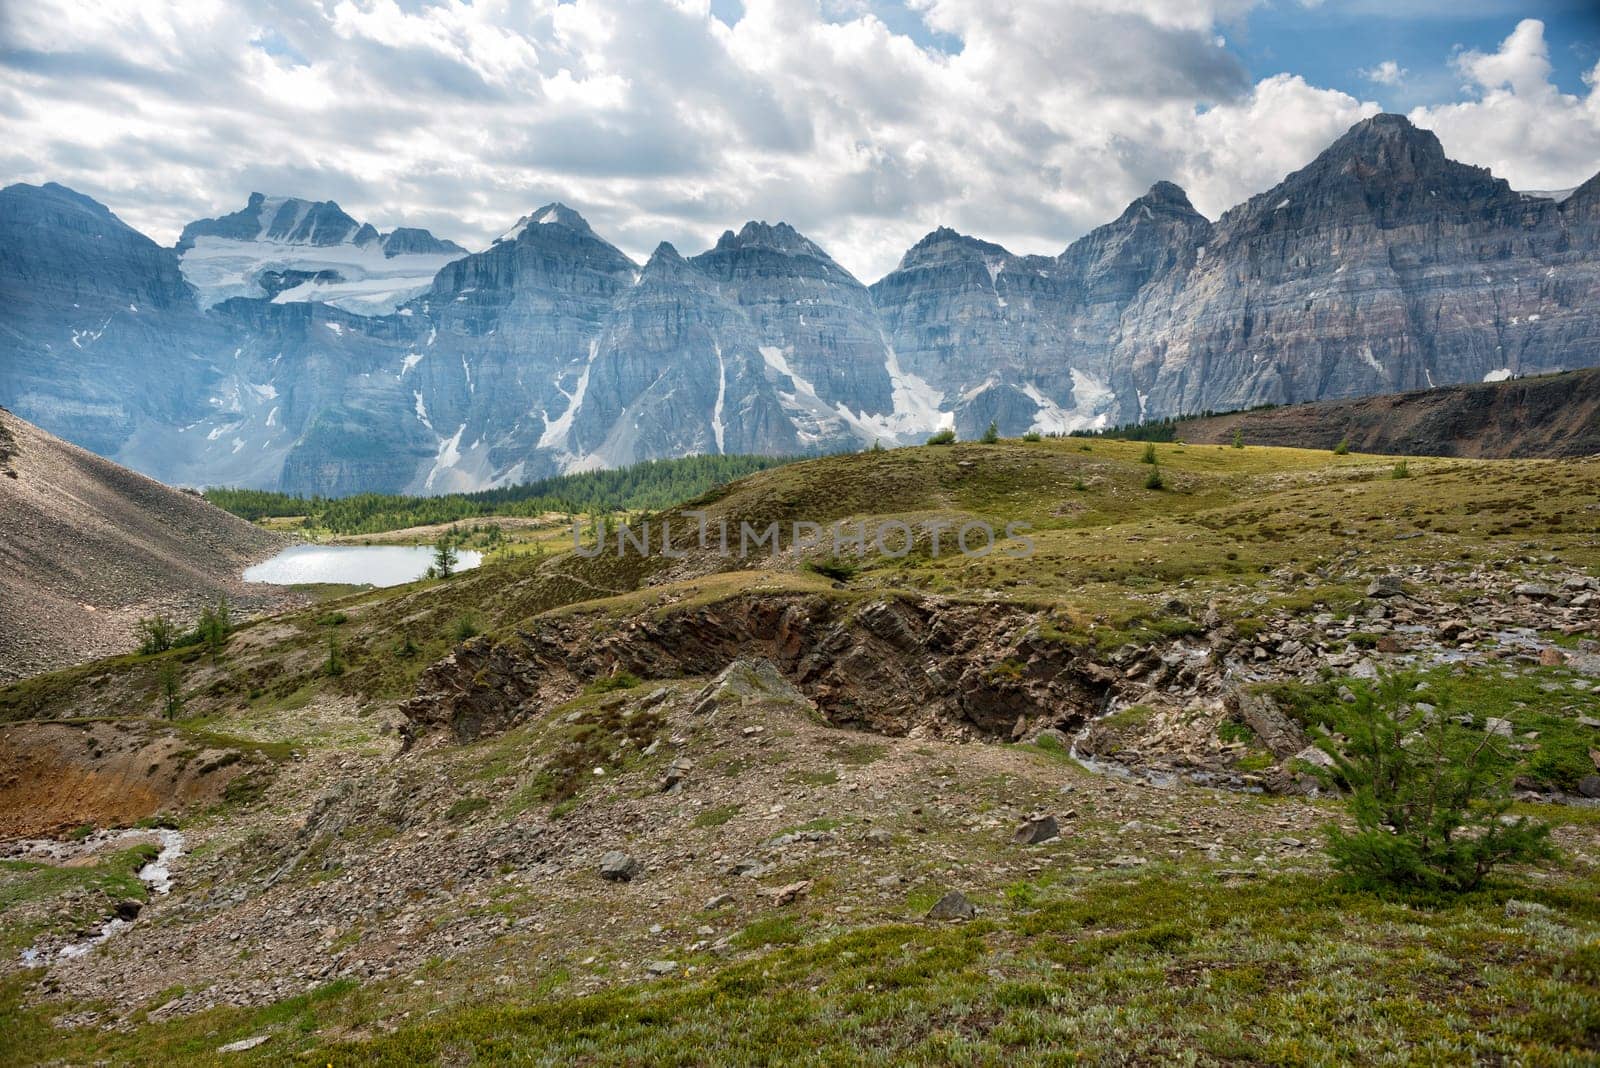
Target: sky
863,123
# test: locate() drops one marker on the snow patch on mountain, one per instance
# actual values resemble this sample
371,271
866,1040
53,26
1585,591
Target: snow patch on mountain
448,456
1094,401
558,431
722,393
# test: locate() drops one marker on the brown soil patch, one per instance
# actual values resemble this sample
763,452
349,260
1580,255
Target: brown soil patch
56,776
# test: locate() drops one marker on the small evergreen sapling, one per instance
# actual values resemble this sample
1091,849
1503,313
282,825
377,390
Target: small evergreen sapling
171,690
1429,798
156,634
445,558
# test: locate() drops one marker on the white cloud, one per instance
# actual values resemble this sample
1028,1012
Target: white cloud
1519,124
1386,73
659,121
1247,147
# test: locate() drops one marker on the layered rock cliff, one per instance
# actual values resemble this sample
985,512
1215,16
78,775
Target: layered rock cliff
289,345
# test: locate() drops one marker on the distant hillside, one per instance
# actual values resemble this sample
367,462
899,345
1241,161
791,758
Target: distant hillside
1549,416
650,485
87,547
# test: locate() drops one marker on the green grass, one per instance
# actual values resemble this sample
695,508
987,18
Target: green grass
715,816
1154,969
35,898
1535,700
1287,968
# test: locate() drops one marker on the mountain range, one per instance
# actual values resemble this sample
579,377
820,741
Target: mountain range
289,346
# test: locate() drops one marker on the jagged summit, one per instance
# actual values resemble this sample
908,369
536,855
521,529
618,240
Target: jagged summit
289,249
664,263
553,214
767,235
284,220
288,220
1389,144
1384,169
1167,195
762,249
1163,214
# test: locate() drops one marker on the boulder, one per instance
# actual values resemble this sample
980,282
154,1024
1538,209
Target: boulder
1037,829
1053,738
952,906
1262,715
618,867
747,681
1386,586
787,895
677,771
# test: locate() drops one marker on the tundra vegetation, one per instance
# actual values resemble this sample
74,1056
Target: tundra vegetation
437,819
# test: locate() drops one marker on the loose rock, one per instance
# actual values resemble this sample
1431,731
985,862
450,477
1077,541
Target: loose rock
953,906
618,867
1037,829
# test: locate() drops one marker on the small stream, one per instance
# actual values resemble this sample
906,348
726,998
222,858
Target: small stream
1160,778
157,875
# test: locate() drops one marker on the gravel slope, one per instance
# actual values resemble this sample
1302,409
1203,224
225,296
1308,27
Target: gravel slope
87,547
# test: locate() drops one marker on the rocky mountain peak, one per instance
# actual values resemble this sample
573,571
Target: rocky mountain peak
1168,195
411,240
283,220
944,246
57,193
290,250
1164,214
666,252
1583,201
664,264
554,214
1383,170
1387,145
1153,234
762,234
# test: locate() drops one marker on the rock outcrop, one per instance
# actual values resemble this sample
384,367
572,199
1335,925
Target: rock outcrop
894,667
